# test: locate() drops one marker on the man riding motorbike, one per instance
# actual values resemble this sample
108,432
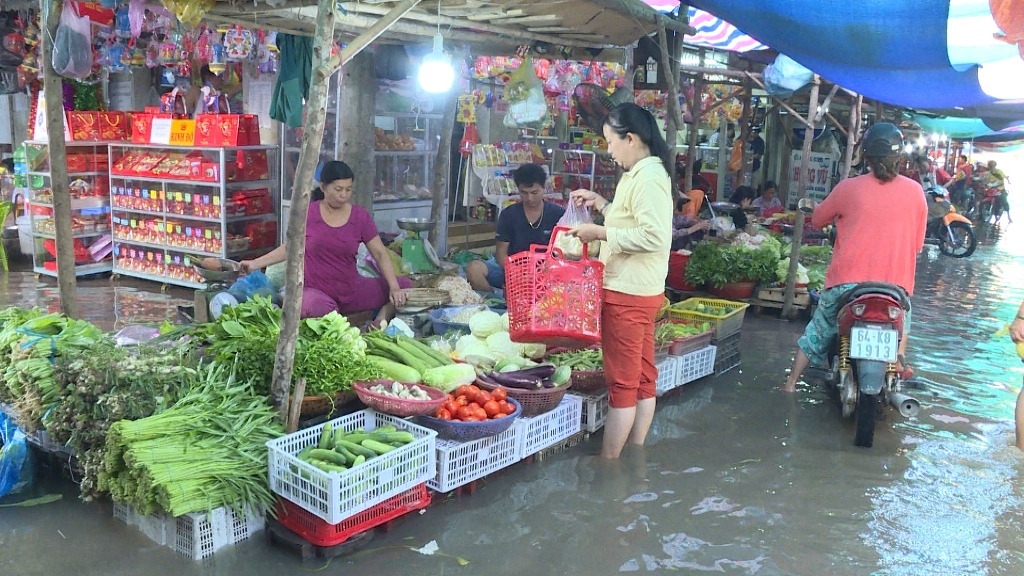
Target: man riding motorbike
997,180
880,221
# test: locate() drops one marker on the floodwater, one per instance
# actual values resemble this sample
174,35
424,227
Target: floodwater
737,478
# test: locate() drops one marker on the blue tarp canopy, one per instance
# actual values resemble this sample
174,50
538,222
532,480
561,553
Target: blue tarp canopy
957,56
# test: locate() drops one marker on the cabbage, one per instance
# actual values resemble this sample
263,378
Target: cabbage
470,345
534,351
504,321
501,345
783,272
485,323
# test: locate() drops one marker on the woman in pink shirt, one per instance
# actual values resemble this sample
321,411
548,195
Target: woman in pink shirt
880,221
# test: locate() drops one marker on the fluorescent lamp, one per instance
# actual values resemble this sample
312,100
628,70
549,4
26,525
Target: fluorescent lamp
436,73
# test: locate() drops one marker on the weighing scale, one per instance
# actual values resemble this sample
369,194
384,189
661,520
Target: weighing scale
417,253
219,275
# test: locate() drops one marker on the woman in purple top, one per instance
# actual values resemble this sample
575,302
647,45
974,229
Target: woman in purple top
334,230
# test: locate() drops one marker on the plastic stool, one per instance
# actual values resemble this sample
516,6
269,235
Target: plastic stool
5,211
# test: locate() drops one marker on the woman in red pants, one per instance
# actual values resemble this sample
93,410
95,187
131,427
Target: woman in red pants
636,240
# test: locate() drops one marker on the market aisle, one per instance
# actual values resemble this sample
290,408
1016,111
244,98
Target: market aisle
738,478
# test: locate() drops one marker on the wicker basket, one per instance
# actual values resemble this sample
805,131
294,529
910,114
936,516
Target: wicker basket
319,405
587,381
534,401
426,297
467,431
401,407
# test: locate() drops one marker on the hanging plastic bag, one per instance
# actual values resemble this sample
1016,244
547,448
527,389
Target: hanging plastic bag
571,246
72,49
525,94
15,458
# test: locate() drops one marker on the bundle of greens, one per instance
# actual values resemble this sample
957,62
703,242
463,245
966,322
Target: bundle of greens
207,451
329,353
107,383
10,320
718,265
30,374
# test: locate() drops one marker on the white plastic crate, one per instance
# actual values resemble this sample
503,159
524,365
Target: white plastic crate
539,432
696,365
459,463
595,410
668,374
196,536
336,496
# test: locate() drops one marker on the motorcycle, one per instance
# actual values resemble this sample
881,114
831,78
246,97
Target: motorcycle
989,205
862,370
952,232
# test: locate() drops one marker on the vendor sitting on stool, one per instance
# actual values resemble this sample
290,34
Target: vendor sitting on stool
334,230
686,228
520,225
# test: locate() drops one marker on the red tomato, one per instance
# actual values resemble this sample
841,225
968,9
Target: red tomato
464,413
451,406
462,390
508,408
473,390
499,394
492,409
444,414
461,400
472,419
480,413
483,397
449,398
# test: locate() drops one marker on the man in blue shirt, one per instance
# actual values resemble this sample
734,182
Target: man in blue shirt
519,226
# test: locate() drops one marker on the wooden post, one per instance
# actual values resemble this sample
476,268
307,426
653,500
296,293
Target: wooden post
442,163
328,68
801,192
674,118
851,135
358,95
295,240
53,96
744,136
695,118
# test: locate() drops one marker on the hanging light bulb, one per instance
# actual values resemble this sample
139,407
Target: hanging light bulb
436,72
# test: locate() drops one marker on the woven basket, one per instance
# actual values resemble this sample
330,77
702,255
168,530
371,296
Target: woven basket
588,381
426,297
320,405
466,431
534,401
400,407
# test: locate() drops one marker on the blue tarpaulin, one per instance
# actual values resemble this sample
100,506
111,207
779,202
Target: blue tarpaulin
930,54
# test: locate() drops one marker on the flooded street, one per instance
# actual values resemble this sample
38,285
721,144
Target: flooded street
737,478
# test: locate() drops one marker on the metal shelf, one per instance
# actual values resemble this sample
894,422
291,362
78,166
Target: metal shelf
80,203
200,148
80,269
174,216
46,236
158,278
70,174
165,181
187,251
402,153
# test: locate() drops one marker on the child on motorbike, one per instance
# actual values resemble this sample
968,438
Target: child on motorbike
880,221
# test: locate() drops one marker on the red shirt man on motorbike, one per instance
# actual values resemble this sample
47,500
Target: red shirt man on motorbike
880,221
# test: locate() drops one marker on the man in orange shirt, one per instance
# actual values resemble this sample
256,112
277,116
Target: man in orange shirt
880,221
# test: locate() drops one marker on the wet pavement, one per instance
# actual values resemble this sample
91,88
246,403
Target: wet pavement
737,478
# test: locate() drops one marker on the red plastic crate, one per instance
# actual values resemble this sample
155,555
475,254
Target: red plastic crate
318,532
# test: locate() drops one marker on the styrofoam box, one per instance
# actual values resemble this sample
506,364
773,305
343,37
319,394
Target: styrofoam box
668,374
336,496
539,432
696,365
196,536
595,410
459,463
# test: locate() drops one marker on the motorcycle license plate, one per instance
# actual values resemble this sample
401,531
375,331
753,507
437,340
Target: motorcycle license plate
874,344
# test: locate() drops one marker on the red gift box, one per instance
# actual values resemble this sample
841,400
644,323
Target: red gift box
207,130
142,127
84,126
253,165
113,126
77,162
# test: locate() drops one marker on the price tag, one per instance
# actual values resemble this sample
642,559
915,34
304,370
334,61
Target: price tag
183,132
161,132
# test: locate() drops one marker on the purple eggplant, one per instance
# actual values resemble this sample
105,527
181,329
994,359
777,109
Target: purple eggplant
547,383
516,380
486,379
539,372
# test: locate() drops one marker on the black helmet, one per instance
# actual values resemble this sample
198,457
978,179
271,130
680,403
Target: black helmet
883,140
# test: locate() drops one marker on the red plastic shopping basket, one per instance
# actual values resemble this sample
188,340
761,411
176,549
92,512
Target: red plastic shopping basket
553,300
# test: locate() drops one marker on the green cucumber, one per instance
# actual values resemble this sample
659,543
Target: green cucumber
359,460
327,466
304,453
329,456
349,456
385,429
325,437
562,375
407,347
358,449
437,356
390,437
377,447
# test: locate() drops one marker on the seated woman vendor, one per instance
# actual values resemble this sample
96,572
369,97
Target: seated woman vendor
520,225
334,229
768,203
685,226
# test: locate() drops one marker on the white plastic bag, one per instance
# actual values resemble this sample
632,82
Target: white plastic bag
571,246
72,49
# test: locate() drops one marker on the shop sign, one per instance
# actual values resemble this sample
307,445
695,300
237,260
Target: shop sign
170,132
819,175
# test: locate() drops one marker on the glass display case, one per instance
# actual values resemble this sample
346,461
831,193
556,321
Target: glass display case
90,207
405,148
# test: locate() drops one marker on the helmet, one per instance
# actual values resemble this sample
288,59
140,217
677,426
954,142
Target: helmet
884,140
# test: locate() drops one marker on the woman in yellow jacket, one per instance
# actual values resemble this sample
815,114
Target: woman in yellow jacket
637,238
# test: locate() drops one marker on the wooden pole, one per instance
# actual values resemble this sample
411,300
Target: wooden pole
674,118
801,193
355,137
53,96
851,135
704,70
327,69
733,94
788,108
443,162
295,241
744,137
695,116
